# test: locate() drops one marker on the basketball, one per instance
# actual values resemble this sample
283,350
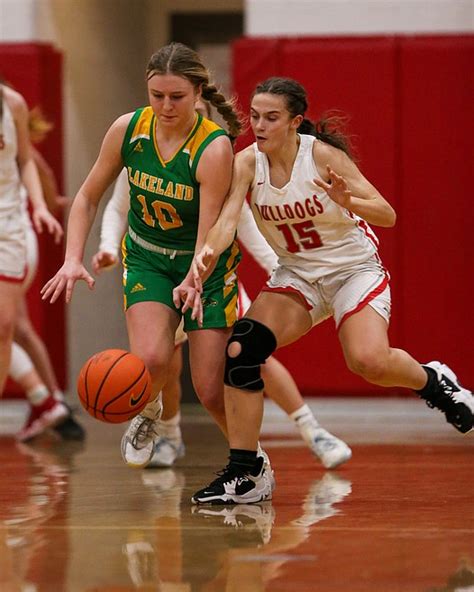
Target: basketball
114,385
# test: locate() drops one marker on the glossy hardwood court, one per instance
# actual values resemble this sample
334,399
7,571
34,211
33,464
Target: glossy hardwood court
397,518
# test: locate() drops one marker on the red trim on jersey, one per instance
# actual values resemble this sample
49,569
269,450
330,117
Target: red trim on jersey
375,292
370,235
288,289
365,228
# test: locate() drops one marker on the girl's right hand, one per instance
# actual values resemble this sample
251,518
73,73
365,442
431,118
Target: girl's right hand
203,264
103,260
65,278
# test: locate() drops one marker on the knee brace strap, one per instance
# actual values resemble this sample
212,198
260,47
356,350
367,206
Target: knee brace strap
257,343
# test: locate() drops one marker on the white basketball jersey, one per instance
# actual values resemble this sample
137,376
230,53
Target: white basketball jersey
307,230
10,181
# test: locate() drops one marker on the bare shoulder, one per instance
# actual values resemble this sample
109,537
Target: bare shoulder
215,161
121,123
220,146
244,163
324,154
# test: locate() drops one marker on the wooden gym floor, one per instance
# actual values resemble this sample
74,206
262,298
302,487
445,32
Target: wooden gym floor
397,518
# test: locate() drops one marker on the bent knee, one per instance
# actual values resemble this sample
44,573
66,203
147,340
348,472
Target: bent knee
157,365
212,403
250,344
368,364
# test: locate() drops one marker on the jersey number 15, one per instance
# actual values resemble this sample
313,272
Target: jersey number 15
300,235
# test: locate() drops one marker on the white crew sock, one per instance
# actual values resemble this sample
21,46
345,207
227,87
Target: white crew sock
170,428
304,417
37,395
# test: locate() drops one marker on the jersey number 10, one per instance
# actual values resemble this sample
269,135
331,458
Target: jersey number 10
165,213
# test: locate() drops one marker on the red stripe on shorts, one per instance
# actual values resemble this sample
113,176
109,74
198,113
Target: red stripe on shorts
12,280
375,292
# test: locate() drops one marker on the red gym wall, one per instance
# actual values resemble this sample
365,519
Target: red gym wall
410,105
35,70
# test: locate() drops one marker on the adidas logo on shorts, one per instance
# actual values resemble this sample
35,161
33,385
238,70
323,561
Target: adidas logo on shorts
137,288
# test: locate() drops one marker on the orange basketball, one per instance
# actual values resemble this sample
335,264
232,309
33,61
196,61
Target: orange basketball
114,385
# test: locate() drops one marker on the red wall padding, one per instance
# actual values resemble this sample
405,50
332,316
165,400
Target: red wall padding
437,212
407,99
35,70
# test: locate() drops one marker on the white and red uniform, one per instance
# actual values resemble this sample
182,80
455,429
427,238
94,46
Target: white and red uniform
12,228
325,253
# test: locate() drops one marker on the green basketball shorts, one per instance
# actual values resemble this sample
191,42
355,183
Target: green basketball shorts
150,276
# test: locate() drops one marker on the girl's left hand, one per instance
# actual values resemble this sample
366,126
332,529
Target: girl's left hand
337,188
43,217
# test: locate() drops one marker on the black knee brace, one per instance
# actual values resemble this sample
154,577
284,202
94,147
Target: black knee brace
257,343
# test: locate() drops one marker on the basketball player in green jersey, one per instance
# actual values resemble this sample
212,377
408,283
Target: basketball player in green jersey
179,167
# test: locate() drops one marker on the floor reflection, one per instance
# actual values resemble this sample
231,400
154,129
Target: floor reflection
36,497
225,547
73,518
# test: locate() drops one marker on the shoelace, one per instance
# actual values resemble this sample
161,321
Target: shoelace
227,474
141,429
444,399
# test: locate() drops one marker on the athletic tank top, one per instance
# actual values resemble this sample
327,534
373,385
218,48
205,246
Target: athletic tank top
307,230
10,181
164,195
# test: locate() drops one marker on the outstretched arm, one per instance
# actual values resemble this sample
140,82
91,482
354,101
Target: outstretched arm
82,214
221,235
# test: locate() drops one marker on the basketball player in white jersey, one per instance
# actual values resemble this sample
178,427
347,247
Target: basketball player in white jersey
314,207
280,385
17,168
31,366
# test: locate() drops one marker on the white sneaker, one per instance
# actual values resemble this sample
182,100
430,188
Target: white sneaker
166,452
269,473
330,450
138,442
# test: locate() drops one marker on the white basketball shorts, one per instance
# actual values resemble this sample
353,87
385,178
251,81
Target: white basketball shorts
340,294
12,249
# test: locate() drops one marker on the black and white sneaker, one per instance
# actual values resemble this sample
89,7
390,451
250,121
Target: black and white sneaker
456,402
235,486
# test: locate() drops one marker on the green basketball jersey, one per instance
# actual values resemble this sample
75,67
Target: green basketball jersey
164,196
